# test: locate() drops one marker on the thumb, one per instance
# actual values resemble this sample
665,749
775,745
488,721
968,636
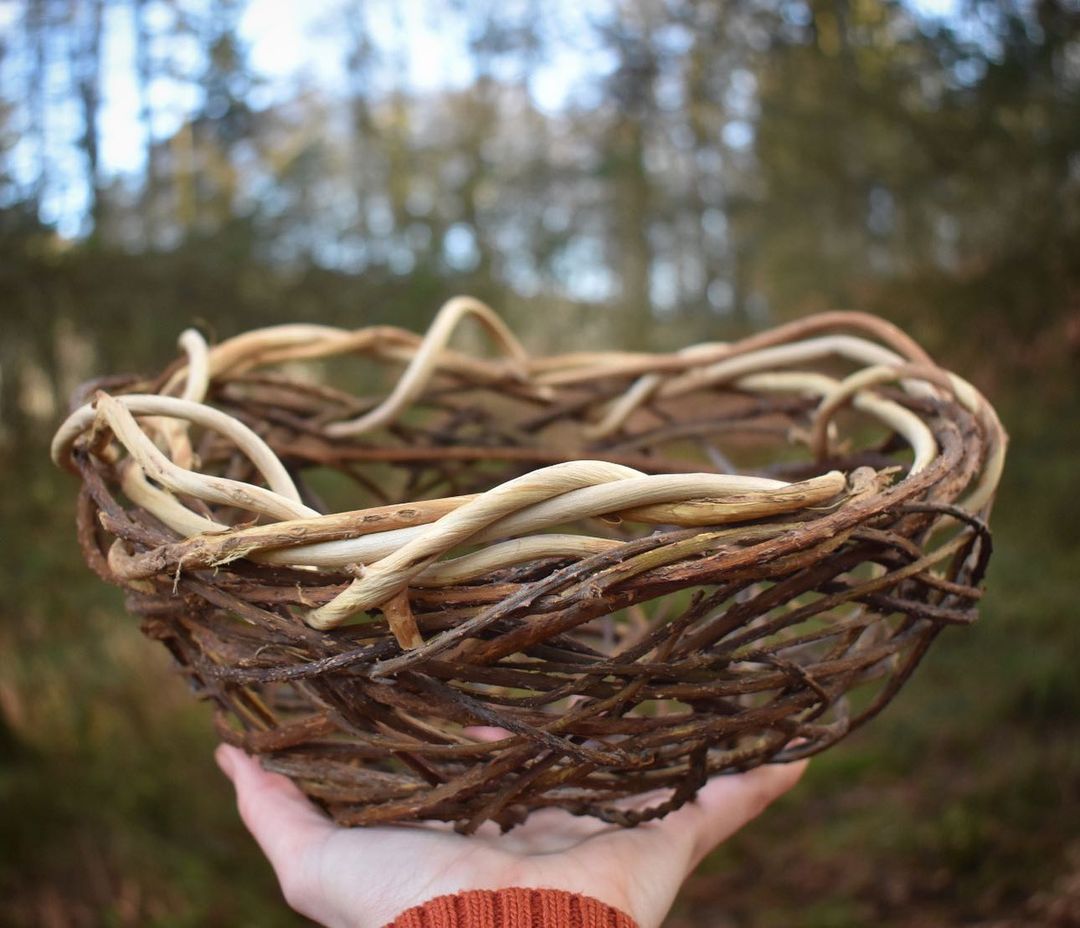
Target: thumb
281,819
729,801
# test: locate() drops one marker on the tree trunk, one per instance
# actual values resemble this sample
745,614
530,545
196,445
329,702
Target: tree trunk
89,93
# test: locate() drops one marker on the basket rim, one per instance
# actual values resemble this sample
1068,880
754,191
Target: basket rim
390,548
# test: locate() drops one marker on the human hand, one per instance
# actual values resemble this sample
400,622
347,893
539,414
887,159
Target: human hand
366,877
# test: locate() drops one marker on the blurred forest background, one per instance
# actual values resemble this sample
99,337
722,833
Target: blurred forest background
636,173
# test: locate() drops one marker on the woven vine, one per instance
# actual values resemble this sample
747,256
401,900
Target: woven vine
590,580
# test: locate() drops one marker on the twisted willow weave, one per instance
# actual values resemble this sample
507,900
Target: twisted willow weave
588,581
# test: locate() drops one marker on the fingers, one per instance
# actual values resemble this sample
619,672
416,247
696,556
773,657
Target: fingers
656,857
726,803
485,732
280,818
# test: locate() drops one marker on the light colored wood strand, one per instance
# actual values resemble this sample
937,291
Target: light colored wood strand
175,431
425,362
508,554
139,404
393,572
892,414
854,384
372,534
585,366
219,490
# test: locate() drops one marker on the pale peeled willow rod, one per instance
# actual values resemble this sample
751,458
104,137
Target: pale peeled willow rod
507,554
163,505
696,494
641,390
388,577
518,551
370,549
913,421
219,490
755,496
392,573
854,348
855,383
907,424
210,537
732,368
972,395
212,544
425,360
307,342
698,500
903,421
141,404
578,367
383,343
480,370
618,497
812,349
296,340
196,383
423,364
287,342
490,516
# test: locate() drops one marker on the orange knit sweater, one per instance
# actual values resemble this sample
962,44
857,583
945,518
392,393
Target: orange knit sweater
513,908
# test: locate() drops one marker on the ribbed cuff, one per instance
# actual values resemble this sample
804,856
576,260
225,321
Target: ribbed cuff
513,908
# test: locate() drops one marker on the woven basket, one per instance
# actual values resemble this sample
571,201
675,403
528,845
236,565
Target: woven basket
588,581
